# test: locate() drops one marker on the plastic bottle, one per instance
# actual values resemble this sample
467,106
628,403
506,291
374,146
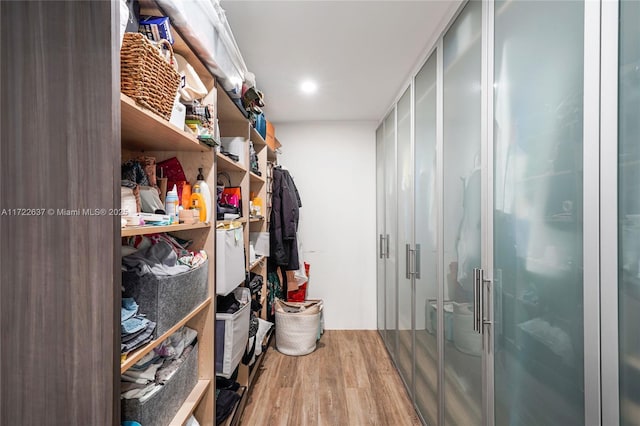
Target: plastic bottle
198,202
206,193
185,202
171,205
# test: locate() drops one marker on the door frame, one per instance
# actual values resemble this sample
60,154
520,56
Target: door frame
609,290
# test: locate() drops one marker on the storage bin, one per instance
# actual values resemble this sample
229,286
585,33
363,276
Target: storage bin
145,76
229,260
261,125
232,335
297,333
167,300
161,408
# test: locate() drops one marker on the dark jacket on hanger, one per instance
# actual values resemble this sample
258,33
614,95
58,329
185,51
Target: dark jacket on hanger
285,213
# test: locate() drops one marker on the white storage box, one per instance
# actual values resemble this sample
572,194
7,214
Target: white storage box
229,260
297,333
232,335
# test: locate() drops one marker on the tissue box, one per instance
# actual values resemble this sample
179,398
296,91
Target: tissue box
156,28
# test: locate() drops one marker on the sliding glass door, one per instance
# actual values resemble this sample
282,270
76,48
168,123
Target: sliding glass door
405,239
463,388
629,211
390,241
380,231
426,243
538,213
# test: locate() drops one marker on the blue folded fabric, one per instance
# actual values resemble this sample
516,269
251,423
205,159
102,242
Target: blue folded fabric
129,308
133,325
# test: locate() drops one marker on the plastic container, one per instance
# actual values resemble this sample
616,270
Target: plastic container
171,204
186,196
206,193
198,203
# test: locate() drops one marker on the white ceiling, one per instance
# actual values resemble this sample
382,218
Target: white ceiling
360,53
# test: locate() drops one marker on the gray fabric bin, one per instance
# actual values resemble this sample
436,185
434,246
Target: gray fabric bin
162,407
167,300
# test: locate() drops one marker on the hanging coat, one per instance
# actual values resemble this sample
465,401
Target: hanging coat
285,213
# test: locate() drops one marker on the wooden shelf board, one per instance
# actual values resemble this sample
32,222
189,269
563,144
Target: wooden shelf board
143,130
256,138
271,155
256,219
255,178
228,165
257,262
191,403
137,355
227,110
149,229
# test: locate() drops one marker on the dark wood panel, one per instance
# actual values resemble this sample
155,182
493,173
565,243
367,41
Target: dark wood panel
59,291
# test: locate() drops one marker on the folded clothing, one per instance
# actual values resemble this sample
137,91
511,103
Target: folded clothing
176,343
129,308
153,370
139,340
160,260
133,325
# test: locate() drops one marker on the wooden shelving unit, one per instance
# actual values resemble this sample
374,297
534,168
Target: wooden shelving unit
255,178
257,262
142,130
137,355
234,124
227,110
257,139
228,165
191,403
144,133
150,229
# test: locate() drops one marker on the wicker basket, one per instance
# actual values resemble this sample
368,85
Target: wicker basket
146,76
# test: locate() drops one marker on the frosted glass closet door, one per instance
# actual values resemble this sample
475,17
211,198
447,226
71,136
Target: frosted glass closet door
426,228
538,216
380,232
629,211
405,239
390,214
461,213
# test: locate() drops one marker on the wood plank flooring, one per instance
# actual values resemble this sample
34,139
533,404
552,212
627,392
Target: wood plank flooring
349,381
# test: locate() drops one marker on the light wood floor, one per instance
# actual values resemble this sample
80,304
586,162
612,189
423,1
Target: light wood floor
348,381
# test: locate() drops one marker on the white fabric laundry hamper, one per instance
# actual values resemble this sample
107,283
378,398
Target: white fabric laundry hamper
232,335
297,332
229,259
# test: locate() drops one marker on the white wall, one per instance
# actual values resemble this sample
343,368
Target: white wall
333,165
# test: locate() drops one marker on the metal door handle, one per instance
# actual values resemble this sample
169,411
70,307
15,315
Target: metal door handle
416,261
386,251
476,276
407,263
381,246
480,300
486,296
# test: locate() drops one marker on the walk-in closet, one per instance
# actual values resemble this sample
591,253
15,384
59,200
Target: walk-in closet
242,213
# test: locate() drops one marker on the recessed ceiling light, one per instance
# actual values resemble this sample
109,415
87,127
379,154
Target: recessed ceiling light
309,86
